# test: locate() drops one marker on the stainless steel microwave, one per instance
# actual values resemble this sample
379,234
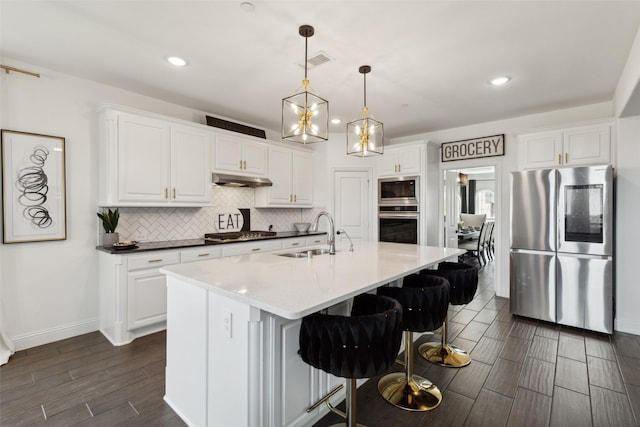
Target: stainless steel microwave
399,191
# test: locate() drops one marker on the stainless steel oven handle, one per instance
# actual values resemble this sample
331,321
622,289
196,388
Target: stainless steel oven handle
402,215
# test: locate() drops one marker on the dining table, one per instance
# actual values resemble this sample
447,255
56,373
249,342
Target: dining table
465,235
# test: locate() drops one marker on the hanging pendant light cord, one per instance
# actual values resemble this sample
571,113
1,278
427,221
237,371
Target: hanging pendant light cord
306,40
365,89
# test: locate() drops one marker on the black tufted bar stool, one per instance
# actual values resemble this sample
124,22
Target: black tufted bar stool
424,301
463,279
361,346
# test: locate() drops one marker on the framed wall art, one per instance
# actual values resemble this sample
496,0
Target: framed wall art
33,187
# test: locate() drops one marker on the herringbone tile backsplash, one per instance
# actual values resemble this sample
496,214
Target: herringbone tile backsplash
161,224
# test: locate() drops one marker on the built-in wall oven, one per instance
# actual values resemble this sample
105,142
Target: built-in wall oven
398,209
399,224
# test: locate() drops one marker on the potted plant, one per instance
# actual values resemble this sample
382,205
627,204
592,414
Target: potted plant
109,223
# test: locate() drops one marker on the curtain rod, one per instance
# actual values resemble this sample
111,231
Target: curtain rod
18,70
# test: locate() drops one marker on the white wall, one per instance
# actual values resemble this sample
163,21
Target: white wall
627,231
50,289
507,163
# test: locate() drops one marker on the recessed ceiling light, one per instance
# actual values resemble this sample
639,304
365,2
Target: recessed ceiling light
336,121
177,61
499,81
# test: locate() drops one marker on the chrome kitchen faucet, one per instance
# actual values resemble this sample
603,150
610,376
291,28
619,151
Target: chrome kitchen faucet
331,240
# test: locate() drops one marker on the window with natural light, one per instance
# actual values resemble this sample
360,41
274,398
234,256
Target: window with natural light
485,203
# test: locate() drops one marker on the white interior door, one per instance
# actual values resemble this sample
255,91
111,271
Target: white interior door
351,201
452,209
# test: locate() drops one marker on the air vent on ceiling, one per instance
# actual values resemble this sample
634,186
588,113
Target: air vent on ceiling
235,127
317,59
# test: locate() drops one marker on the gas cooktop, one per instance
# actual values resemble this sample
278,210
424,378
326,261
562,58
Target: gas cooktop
235,236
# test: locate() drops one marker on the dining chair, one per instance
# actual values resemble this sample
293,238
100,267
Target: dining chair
486,242
476,247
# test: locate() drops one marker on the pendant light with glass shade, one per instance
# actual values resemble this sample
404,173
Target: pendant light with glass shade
305,115
365,135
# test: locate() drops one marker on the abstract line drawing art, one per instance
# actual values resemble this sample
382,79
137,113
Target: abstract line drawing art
33,190
32,184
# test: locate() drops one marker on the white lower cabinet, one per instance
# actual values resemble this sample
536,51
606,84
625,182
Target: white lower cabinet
296,242
133,292
252,247
242,367
147,298
316,240
297,385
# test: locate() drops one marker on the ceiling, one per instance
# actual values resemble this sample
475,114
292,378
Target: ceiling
431,60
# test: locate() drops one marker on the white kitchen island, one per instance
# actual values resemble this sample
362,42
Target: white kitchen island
232,329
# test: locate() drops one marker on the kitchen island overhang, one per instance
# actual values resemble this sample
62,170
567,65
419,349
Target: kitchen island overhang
232,328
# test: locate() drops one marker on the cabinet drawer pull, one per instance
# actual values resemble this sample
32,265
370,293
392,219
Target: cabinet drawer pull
244,163
155,260
295,197
240,164
203,254
559,159
166,193
174,192
255,249
291,197
566,158
295,244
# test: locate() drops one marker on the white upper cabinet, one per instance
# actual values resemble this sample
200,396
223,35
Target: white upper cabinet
142,159
291,172
401,161
240,156
576,146
148,161
190,166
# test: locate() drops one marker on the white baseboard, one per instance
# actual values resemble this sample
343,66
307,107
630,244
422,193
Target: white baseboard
45,336
628,327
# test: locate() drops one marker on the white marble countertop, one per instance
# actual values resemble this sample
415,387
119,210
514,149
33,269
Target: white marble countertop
295,287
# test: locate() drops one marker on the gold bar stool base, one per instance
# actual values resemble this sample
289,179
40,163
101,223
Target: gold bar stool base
444,355
417,394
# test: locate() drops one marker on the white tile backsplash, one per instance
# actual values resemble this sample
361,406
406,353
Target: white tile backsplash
161,224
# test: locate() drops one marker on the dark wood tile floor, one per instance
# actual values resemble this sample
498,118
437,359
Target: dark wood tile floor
85,381
523,373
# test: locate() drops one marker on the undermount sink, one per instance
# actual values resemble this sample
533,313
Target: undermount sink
306,253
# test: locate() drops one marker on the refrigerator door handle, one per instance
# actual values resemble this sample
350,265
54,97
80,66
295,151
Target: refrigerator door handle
587,256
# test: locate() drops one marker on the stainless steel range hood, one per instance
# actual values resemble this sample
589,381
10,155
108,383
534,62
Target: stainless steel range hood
240,181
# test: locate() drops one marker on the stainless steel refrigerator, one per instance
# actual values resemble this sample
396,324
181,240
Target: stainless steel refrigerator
561,260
